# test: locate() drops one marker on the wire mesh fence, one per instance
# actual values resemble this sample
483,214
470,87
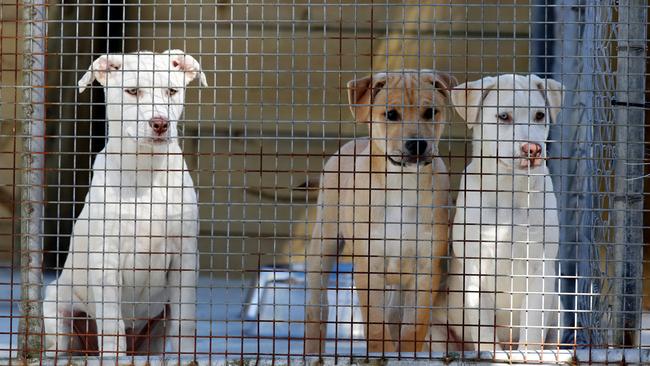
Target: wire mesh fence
404,180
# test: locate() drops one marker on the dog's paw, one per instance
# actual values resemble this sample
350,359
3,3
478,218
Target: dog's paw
114,349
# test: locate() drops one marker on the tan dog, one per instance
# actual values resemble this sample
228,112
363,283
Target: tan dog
388,196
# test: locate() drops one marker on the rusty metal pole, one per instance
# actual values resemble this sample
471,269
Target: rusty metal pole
31,256
628,203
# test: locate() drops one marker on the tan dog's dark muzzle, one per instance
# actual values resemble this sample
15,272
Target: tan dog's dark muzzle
416,148
415,152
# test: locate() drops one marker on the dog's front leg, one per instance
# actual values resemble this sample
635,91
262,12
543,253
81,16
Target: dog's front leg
56,324
417,310
420,291
374,296
538,306
181,327
479,307
321,256
106,288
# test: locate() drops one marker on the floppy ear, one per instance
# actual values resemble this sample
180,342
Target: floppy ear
100,69
468,98
361,93
186,63
442,81
552,91
443,84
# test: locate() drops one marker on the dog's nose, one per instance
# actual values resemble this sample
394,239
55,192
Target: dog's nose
416,147
159,125
531,150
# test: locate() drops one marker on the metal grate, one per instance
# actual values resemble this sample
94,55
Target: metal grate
307,244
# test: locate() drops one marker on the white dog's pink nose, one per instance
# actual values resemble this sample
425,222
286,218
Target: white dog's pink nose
531,150
159,125
533,153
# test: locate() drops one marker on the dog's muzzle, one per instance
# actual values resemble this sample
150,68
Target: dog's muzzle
416,152
159,125
416,147
407,160
531,155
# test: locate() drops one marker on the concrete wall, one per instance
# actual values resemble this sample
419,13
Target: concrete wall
277,107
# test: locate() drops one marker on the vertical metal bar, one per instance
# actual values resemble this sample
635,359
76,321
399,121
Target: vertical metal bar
31,322
628,203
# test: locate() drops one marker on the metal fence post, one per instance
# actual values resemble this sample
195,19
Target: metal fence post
582,65
628,203
561,135
31,322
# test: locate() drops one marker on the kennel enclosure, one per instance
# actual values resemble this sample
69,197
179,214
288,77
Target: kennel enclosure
256,139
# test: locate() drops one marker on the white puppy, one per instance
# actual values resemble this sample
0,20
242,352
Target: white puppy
505,232
130,276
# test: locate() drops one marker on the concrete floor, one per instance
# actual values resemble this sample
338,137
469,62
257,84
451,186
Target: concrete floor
221,329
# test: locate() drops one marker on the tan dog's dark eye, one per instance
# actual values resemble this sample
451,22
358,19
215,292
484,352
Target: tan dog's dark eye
505,117
429,113
392,115
132,91
171,92
539,116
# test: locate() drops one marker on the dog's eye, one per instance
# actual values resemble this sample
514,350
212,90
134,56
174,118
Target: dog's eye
505,117
132,91
539,116
171,92
392,115
429,113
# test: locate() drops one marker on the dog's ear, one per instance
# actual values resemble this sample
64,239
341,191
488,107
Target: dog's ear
361,93
100,69
186,63
552,91
468,98
441,81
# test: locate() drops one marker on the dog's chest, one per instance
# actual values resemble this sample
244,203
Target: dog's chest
513,229
152,205
401,229
402,216
154,212
151,223
149,218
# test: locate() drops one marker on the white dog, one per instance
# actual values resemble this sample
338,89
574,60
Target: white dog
130,277
505,232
